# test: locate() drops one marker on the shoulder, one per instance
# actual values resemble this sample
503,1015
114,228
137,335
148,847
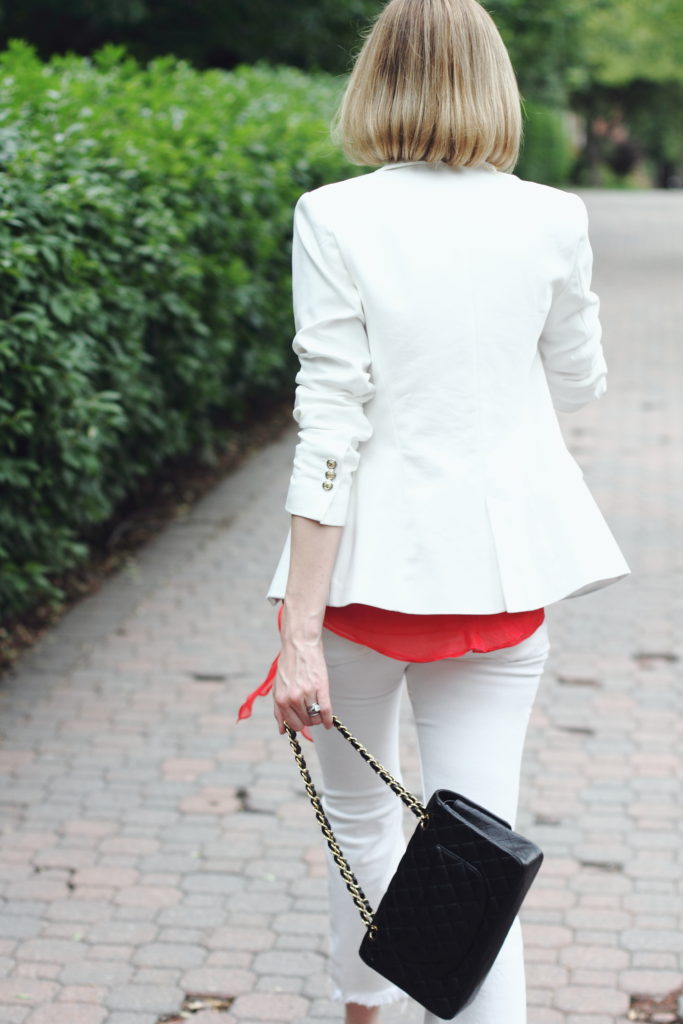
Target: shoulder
326,204
341,191
565,211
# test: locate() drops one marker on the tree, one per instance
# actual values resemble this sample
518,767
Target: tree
545,41
320,34
633,80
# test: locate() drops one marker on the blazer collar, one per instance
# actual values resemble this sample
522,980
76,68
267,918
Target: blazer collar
411,163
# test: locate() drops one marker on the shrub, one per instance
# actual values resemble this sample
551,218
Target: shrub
546,151
145,222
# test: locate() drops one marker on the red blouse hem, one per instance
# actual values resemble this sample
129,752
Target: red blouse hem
435,636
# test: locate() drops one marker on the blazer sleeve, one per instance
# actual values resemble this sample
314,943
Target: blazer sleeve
334,380
570,343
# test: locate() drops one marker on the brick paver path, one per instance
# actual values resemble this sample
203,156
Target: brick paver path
151,849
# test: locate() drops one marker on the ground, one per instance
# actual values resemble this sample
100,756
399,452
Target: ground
153,849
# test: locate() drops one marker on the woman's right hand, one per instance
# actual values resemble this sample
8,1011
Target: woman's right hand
301,680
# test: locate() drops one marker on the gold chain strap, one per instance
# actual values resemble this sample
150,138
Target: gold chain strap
352,884
411,802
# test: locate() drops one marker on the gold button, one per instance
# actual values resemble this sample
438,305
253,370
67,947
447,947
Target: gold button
327,486
330,475
331,463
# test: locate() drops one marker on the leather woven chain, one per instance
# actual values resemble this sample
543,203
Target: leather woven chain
411,802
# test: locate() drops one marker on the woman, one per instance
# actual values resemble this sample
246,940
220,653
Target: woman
442,307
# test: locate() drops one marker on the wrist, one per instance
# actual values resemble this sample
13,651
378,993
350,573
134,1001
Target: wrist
301,623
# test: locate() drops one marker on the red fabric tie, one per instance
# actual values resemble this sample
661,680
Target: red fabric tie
266,686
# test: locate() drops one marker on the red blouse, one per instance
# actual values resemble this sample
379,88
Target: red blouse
415,637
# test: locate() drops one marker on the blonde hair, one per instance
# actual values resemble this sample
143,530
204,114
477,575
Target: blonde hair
433,81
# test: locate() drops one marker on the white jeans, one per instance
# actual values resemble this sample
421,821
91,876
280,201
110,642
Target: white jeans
471,715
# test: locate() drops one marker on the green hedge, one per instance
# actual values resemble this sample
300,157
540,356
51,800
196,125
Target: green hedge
547,153
145,222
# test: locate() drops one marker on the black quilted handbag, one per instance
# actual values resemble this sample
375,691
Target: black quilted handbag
452,899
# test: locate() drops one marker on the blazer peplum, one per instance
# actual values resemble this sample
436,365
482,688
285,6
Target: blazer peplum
441,317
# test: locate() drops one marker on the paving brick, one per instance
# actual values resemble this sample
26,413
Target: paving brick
147,896
68,1013
57,857
280,983
597,978
90,827
589,1018
158,998
167,954
129,933
108,877
185,936
96,972
659,961
124,1017
583,917
79,911
82,994
268,1007
299,941
586,999
653,982
303,924
26,991
326,1009
542,1015
182,916
219,981
156,976
644,939
546,935
129,845
6,966
229,959
274,962
53,950
546,975
39,889
212,883
14,1014
39,969
597,957
252,939
19,926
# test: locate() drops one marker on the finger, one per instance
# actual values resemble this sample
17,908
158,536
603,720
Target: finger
326,715
294,719
279,719
316,718
287,714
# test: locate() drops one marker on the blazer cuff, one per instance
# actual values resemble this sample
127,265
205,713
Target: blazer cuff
569,395
320,484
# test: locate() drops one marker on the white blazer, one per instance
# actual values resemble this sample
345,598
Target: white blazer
440,314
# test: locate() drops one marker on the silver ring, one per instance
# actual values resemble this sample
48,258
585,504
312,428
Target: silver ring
313,709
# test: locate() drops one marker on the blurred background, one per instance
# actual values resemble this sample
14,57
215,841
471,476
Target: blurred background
604,77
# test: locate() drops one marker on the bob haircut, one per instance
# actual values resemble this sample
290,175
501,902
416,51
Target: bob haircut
433,81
